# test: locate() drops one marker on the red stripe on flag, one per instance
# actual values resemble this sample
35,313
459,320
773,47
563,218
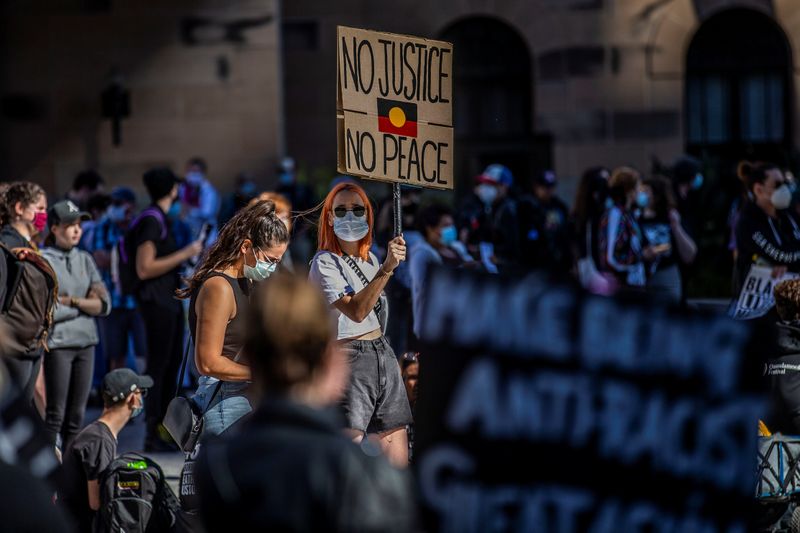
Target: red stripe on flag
409,129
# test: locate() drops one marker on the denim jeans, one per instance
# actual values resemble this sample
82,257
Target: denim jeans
228,405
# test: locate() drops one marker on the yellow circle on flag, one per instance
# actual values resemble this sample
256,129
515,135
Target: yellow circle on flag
397,117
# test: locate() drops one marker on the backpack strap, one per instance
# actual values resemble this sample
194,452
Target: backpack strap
354,266
151,211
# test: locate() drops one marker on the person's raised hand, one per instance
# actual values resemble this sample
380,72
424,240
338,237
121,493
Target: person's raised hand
395,253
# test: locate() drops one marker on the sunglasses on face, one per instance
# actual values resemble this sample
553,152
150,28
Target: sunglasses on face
358,211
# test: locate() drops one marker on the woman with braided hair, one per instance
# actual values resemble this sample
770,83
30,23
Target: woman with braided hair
248,249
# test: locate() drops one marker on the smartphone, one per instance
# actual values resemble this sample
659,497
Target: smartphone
203,235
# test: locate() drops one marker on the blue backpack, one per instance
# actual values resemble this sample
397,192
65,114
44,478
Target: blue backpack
126,247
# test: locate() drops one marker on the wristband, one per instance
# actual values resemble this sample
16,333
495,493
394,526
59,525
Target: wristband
73,302
383,272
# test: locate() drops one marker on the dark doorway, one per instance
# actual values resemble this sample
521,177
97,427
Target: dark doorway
492,103
738,105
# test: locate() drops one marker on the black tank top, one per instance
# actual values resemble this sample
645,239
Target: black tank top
235,331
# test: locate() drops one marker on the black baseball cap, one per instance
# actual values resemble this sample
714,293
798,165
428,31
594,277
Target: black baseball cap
546,179
66,212
119,383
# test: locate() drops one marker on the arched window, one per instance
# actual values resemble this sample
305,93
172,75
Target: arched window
492,102
738,86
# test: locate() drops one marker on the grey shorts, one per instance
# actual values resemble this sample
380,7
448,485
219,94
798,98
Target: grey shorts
375,400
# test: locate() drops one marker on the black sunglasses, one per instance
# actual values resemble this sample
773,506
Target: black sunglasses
358,211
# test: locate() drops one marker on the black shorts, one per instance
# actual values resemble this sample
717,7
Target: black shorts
375,400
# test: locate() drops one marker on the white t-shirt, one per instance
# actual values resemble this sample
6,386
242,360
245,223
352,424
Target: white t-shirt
337,279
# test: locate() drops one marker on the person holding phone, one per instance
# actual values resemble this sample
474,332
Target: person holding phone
671,245
352,279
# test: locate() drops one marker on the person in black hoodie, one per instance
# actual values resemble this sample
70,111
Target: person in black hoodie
766,233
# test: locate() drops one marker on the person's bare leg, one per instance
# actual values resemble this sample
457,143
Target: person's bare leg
394,444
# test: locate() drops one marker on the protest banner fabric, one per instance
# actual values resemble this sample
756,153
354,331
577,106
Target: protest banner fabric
542,408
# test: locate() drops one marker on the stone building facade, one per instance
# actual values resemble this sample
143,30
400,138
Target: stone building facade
574,83
202,77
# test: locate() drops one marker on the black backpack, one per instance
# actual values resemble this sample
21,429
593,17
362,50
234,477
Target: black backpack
135,497
126,249
31,292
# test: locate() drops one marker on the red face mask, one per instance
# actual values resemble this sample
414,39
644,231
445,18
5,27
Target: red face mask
40,221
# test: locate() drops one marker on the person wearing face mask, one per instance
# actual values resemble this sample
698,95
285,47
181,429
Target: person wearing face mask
23,215
124,322
200,201
82,295
488,219
352,280
672,246
623,249
766,233
303,199
157,260
248,251
439,247
90,453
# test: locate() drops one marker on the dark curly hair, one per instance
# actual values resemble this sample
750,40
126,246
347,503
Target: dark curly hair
258,223
23,192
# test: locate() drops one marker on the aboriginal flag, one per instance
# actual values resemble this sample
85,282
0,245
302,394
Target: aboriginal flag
396,117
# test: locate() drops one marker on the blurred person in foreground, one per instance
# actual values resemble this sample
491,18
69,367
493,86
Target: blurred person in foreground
353,279
290,468
26,499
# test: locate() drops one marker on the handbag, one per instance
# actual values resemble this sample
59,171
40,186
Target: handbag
382,305
184,418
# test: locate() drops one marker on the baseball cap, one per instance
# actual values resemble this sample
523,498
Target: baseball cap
66,212
547,179
123,194
496,175
119,383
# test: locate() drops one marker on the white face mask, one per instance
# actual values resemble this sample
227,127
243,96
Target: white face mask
261,271
487,193
781,197
350,228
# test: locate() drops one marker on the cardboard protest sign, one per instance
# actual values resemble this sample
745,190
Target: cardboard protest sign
394,108
541,408
756,298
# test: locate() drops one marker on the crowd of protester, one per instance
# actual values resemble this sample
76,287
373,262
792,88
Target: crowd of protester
271,349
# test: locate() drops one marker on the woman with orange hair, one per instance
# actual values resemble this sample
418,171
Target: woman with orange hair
352,280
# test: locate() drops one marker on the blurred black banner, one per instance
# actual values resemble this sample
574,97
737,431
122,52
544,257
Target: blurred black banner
542,408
